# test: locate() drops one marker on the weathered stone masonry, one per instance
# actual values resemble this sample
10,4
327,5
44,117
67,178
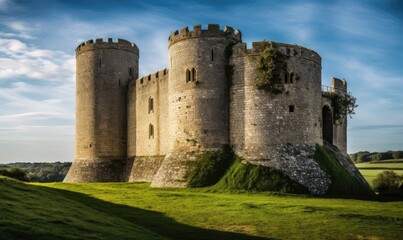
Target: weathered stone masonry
150,128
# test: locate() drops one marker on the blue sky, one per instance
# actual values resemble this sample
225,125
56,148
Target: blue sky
361,41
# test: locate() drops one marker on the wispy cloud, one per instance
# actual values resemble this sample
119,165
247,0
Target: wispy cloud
17,59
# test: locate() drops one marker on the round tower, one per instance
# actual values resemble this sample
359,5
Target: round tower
198,87
103,71
198,116
290,116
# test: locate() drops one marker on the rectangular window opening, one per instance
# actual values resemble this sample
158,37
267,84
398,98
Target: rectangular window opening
291,108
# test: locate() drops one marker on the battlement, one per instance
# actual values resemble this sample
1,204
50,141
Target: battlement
99,43
159,75
213,30
290,50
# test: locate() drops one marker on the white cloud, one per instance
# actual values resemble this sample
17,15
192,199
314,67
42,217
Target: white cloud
17,59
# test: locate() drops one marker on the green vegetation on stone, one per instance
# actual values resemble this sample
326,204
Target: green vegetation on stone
343,105
343,184
270,64
136,211
246,176
210,167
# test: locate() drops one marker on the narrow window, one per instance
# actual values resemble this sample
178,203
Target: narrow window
165,71
149,77
286,77
100,63
212,54
188,78
130,71
291,77
156,75
150,105
141,80
150,131
291,108
194,72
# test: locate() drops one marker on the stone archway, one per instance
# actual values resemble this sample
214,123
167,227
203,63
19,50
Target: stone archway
327,127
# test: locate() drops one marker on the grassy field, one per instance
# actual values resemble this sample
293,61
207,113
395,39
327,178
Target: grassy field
370,170
136,211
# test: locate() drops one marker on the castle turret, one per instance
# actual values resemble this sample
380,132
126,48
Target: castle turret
198,94
103,72
198,87
291,114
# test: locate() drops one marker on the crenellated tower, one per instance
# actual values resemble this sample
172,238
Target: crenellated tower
102,75
198,116
198,86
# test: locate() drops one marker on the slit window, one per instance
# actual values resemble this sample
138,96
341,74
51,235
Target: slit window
150,105
286,77
291,77
291,108
188,77
130,71
194,74
150,131
212,54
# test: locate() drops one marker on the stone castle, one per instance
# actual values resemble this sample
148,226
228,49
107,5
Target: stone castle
147,129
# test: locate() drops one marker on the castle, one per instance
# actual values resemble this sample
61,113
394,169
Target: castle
147,129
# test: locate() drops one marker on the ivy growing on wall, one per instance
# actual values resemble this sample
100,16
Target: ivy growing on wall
270,64
343,105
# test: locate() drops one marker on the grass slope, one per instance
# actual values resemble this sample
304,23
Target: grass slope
197,214
343,184
35,212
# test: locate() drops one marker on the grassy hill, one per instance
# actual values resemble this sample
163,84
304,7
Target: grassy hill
136,211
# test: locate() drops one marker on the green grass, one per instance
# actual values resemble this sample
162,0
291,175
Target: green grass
343,184
371,170
136,211
37,212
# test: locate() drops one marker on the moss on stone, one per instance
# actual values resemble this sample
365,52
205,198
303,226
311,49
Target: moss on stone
269,66
210,167
343,184
246,176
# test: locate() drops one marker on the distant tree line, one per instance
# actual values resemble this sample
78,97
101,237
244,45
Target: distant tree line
36,172
366,156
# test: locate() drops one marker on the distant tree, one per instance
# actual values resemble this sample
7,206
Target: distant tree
15,173
388,183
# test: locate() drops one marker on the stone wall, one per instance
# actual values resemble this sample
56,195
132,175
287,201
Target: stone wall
152,128
198,117
268,119
104,70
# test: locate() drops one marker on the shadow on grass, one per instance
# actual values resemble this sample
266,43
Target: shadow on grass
154,221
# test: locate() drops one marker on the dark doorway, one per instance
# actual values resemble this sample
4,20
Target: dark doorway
327,128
